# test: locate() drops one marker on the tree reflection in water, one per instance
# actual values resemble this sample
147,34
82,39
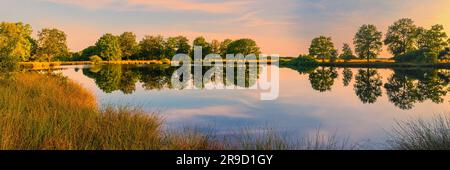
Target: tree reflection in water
111,78
404,88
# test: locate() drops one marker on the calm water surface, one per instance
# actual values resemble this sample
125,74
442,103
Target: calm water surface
360,103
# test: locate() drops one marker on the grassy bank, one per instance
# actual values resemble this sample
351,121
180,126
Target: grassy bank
421,134
42,111
51,112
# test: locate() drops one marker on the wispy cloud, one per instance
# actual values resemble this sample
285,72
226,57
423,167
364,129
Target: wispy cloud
227,6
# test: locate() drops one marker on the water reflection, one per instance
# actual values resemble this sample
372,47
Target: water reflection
111,78
323,78
403,87
368,85
407,87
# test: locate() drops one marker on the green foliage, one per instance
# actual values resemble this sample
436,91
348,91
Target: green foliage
152,48
417,56
401,37
303,61
368,42
347,53
433,40
243,46
177,45
96,59
52,43
15,42
108,47
206,47
322,48
215,47
224,46
128,45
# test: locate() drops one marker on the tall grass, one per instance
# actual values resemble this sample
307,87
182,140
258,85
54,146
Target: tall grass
421,134
48,112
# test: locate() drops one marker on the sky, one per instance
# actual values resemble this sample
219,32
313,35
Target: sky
283,27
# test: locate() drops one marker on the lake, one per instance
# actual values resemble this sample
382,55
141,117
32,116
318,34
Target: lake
360,103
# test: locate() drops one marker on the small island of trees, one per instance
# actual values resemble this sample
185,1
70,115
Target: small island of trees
407,42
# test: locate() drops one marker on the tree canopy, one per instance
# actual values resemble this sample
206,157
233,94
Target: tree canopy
152,48
322,48
52,43
401,37
108,47
128,44
243,46
347,53
368,42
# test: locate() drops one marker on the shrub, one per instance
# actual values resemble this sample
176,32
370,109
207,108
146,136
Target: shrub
418,56
95,59
303,61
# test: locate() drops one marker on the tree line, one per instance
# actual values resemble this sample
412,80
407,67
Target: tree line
17,44
406,41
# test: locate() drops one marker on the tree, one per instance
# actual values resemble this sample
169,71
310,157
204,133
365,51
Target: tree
15,42
52,43
152,48
206,47
321,48
177,45
243,46
128,44
347,53
368,85
433,40
215,47
368,42
108,47
224,46
401,37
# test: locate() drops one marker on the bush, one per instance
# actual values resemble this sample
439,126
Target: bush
8,64
418,56
303,61
95,59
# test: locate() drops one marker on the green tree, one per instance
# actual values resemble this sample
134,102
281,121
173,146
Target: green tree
177,45
224,46
401,37
108,47
152,47
368,42
368,85
243,46
206,47
215,47
321,48
128,44
433,40
15,42
347,53
52,43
